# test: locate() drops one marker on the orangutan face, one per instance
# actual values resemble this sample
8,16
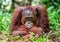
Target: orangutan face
28,18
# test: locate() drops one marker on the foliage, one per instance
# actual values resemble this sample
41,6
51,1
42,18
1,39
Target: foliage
4,21
53,18
53,8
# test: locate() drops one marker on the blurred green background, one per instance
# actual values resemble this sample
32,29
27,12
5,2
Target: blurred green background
7,7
